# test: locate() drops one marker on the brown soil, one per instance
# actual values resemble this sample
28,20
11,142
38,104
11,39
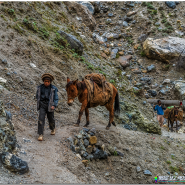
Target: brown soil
51,161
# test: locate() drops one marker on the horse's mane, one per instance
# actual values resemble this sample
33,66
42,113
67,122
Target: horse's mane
80,85
83,85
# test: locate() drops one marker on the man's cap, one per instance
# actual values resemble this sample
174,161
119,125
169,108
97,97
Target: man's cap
47,75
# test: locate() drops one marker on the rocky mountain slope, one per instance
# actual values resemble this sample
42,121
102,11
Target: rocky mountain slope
37,37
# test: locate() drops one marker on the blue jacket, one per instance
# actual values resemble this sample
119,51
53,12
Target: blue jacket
159,109
53,98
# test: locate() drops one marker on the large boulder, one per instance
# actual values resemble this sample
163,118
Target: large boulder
180,89
82,11
13,163
164,49
73,42
88,5
171,4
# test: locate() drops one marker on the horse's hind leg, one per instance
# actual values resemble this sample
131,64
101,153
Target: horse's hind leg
87,117
111,114
176,126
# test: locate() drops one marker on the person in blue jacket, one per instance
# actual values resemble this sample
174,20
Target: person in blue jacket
159,108
47,100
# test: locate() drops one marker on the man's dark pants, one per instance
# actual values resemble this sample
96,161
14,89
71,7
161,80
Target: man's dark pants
42,113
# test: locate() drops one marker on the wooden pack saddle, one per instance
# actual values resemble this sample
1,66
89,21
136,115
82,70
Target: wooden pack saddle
99,90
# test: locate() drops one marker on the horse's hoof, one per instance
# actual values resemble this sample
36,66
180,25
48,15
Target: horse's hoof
114,124
76,125
107,128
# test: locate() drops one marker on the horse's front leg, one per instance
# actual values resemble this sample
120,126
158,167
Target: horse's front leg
171,122
80,114
87,117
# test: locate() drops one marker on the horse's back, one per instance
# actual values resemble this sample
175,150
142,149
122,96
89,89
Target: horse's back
166,113
98,95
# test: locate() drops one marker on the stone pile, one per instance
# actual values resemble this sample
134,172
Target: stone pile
87,147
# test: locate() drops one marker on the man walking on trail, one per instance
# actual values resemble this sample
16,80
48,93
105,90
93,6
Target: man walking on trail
160,112
47,100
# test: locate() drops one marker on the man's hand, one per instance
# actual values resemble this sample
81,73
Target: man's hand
52,107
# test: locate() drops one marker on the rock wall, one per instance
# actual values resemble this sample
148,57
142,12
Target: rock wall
8,143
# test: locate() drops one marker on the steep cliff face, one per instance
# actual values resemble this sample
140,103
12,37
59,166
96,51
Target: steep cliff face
50,37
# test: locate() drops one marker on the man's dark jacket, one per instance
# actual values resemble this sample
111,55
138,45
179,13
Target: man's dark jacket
53,97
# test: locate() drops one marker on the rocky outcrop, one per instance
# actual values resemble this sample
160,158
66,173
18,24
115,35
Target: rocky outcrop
8,144
83,12
133,119
7,133
164,49
73,42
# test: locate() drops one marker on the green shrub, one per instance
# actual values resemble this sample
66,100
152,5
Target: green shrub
112,81
115,153
11,11
174,169
43,33
142,53
163,20
149,5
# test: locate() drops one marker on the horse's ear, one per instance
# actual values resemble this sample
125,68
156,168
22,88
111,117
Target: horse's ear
75,82
68,80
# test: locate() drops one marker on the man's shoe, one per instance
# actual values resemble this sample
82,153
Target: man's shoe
53,132
40,138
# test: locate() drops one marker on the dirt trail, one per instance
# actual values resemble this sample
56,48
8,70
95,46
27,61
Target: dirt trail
52,161
44,158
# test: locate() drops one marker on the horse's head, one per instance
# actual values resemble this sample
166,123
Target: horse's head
72,91
176,111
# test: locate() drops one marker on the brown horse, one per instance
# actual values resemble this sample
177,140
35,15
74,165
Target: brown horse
172,116
79,89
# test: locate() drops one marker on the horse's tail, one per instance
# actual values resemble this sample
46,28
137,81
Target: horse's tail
116,105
